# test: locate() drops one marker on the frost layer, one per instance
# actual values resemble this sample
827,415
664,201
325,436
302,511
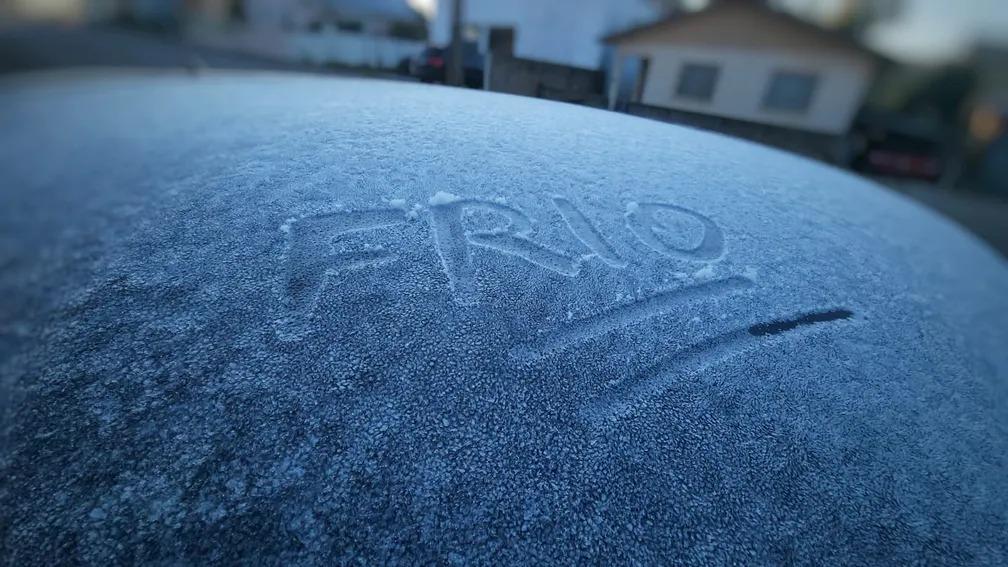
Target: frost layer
290,319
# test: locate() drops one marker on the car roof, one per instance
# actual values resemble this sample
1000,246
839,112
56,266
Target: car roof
298,318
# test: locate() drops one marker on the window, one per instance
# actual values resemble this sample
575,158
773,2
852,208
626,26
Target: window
790,91
697,81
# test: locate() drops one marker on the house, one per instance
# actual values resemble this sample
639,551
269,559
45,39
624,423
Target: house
748,70
563,32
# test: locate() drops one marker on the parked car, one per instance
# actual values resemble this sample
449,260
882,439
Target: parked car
902,156
430,66
898,146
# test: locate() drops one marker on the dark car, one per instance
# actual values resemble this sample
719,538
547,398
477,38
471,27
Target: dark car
902,156
431,65
899,146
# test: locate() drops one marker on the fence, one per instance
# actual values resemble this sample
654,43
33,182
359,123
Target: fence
545,80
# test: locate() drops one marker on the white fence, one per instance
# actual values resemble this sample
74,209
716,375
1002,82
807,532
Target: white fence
354,49
325,47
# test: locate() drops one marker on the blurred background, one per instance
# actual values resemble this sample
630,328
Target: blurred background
912,93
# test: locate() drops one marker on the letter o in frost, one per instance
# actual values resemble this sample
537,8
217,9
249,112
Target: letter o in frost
640,220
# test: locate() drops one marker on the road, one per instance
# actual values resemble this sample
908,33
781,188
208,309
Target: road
984,215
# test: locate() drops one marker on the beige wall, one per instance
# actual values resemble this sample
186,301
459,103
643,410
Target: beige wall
58,10
743,80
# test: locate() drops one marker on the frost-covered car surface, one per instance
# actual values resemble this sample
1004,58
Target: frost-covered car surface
273,318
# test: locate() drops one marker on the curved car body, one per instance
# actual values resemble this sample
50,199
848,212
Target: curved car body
257,317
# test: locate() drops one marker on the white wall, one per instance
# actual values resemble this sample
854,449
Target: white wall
327,46
744,77
356,49
567,32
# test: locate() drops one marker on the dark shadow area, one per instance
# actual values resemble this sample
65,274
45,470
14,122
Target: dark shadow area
777,327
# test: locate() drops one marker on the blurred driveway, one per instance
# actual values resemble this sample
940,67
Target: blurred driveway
984,215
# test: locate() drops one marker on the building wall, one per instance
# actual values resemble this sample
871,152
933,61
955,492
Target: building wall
744,77
566,32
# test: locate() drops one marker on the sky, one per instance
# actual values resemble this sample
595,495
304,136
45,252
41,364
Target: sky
927,31
930,30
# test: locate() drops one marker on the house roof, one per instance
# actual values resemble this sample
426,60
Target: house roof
678,18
